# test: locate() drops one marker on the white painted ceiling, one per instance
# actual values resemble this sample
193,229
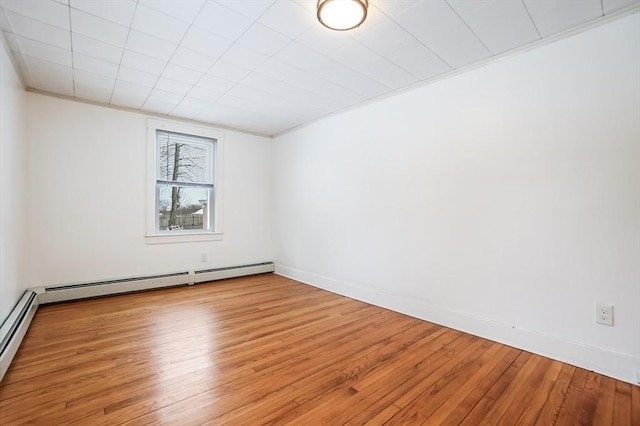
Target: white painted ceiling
265,66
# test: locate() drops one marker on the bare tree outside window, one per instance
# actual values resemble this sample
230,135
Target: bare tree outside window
184,181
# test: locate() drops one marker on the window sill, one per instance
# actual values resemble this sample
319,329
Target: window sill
183,238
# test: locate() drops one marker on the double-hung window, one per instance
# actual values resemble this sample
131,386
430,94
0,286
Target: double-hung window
185,196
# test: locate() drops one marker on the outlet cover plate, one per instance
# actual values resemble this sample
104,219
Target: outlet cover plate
604,314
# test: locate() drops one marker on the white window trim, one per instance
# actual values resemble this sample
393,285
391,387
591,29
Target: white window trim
183,237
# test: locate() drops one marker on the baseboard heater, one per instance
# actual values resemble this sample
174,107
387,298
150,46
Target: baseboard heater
64,293
15,327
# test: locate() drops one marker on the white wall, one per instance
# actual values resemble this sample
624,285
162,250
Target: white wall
12,184
87,174
504,201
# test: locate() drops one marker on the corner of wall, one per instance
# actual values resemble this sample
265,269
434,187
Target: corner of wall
12,181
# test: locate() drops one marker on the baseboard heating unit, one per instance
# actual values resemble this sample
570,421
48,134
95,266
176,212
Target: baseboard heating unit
15,326
129,285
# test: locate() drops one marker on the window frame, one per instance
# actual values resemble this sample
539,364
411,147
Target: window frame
153,235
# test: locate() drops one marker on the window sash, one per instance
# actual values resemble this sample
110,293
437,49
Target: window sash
204,179
209,144
208,220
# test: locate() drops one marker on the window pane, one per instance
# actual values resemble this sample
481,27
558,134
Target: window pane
181,208
183,158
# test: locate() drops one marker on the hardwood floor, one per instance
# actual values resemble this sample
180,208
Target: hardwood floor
268,350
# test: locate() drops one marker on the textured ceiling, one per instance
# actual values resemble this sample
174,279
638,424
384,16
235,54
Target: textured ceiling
265,66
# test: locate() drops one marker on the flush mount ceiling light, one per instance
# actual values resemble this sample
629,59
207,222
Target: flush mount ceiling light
342,15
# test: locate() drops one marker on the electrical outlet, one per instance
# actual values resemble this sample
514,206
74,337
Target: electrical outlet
604,314
203,257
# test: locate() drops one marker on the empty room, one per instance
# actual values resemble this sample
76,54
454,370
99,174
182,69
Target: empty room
320,212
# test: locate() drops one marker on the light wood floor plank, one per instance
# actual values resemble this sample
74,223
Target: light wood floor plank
580,401
555,400
635,405
622,404
266,350
606,396
459,403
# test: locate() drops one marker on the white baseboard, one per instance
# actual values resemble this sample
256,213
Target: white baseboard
612,364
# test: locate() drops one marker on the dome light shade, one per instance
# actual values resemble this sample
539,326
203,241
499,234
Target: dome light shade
342,15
